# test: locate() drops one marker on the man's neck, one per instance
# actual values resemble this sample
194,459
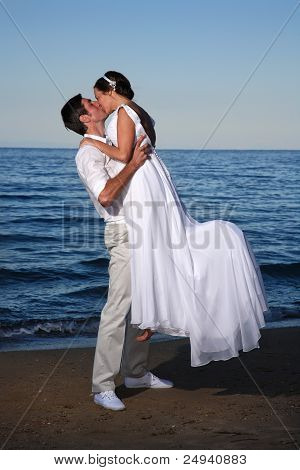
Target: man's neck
96,128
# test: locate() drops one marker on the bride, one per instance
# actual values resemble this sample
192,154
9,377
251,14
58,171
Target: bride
198,280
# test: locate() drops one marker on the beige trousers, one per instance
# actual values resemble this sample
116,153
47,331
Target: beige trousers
117,349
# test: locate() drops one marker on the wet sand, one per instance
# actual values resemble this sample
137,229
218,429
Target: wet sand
217,406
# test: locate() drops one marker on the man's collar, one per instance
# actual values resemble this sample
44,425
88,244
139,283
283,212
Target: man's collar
96,137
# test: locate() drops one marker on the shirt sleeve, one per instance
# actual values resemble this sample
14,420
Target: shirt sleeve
91,166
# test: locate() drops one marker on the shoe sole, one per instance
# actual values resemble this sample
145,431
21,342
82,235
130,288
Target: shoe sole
147,386
108,408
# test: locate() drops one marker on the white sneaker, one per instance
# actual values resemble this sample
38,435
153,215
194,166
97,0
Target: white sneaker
148,380
109,400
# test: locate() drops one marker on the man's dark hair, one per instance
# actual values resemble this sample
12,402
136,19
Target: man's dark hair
71,112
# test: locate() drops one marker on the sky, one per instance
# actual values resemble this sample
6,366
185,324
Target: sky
212,73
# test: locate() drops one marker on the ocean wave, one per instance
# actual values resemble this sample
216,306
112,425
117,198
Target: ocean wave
47,327
102,262
22,237
67,327
56,219
41,274
281,269
21,197
87,291
275,270
277,313
36,219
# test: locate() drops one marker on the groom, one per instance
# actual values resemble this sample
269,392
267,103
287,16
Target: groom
118,348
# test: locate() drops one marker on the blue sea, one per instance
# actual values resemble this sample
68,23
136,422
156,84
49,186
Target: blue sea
54,263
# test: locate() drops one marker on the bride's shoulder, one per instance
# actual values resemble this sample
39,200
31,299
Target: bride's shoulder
128,109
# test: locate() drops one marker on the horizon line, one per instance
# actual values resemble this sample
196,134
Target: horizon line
161,148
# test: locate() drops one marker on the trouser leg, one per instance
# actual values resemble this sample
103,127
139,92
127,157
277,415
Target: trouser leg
112,325
135,354
116,341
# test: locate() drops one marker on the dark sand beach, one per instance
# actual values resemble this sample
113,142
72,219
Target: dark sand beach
217,406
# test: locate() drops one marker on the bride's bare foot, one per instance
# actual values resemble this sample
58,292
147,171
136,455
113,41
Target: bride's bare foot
145,335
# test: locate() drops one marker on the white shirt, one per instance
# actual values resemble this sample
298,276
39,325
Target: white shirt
95,169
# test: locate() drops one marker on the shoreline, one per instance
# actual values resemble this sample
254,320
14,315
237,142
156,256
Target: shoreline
33,343
216,406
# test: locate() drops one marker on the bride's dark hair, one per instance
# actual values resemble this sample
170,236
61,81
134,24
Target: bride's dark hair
123,86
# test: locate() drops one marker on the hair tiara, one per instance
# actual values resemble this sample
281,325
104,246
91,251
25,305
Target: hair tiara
112,83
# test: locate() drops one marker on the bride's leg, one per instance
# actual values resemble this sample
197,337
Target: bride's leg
145,335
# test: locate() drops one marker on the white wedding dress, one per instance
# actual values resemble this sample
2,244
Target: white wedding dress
198,280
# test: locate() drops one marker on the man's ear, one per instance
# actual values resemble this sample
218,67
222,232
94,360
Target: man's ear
84,118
